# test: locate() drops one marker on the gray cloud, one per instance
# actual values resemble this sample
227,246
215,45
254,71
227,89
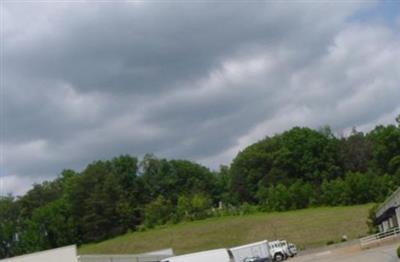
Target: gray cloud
200,81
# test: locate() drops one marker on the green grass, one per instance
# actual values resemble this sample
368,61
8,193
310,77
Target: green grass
307,228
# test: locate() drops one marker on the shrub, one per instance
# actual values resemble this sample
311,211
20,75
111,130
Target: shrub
158,212
372,228
330,242
398,252
200,205
195,207
247,209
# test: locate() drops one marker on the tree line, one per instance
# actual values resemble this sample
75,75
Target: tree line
299,168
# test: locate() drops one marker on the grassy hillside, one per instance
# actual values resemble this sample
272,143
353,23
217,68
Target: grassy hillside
306,228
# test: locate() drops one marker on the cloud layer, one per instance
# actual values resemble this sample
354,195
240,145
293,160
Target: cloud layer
200,81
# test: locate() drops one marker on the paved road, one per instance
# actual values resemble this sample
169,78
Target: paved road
379,254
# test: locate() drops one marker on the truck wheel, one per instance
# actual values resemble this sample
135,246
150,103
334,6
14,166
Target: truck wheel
278,257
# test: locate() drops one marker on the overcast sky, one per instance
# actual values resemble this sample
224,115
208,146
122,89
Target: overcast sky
83,81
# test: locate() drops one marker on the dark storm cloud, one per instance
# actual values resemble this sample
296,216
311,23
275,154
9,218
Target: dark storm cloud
151,47
200,81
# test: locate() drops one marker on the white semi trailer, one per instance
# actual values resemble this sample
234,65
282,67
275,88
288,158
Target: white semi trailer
254,252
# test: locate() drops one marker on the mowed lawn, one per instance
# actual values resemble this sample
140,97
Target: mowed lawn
306,228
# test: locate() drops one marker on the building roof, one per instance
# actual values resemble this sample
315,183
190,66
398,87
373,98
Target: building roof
389,204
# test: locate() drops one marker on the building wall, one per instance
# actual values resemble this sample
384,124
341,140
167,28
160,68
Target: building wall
398,216
389,223
63,254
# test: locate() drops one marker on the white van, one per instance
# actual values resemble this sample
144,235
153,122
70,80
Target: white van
216,255
258,251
